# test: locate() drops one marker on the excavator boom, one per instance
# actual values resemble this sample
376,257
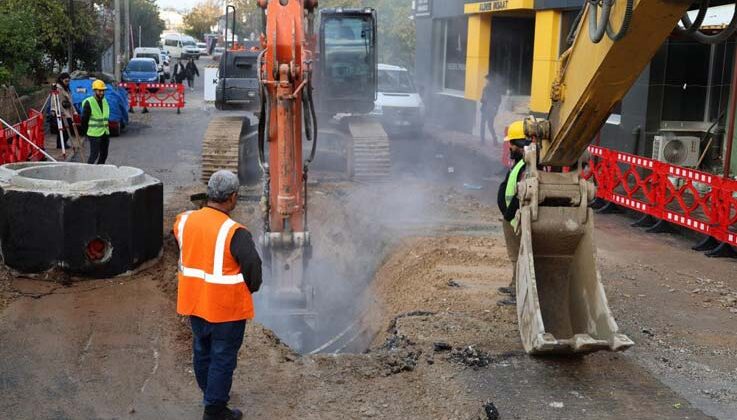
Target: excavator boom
561,302
594,77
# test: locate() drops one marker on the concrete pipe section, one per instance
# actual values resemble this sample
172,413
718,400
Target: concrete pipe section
89,220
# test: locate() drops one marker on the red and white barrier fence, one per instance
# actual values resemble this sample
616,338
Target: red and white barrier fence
696,200
13,148
155,95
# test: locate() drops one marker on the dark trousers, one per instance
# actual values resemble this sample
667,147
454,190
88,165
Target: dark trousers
190,82
487,119
98,149
215,347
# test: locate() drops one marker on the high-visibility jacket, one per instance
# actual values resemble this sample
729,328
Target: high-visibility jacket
211,285
511,190
99,118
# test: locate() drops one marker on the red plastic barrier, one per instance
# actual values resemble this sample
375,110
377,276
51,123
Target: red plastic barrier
697,200
15,149
132,89
155,95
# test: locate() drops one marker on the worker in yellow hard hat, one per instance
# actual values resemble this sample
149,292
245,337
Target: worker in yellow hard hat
507,196
95,123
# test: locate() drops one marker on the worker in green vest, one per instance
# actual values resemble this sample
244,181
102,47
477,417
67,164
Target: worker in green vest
95,121
507,198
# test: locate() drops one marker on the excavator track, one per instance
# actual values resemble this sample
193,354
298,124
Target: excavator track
220,147
369,157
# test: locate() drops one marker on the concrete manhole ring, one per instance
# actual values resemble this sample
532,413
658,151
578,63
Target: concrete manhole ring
89,220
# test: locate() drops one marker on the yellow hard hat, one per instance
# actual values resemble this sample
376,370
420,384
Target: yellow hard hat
516,131
98,85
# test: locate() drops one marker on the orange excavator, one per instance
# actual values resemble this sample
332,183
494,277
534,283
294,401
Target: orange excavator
288,66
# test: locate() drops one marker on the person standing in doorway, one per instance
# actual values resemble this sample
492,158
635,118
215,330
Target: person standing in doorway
191,73
219,270
95,123
491,98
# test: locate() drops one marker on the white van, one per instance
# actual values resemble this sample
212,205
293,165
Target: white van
153,53
181,46
398,104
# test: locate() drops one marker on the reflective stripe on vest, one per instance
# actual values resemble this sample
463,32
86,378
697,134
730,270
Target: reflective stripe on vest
511,190
210,283
98,125
217,276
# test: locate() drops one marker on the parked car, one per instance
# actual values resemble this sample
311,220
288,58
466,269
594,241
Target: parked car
165,52
202,47
155,54
141,70
217,53
398,104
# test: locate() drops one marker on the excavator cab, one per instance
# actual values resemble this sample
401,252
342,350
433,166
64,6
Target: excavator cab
348,61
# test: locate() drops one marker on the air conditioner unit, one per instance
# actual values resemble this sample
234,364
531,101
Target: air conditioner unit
677,150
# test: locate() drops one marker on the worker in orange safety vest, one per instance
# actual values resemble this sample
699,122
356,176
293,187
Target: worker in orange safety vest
219,269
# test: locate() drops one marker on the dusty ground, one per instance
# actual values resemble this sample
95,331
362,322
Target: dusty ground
412,267
115,348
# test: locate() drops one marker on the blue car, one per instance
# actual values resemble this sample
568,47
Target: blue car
140,70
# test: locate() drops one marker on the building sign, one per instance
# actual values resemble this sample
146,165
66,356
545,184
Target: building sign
498,6
423,8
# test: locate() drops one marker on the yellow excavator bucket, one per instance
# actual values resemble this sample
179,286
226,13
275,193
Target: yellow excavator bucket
561,303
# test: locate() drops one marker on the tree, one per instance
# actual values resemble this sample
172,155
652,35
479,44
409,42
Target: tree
92,33
145,14
50,28
18,48
248,18
396,31
202,17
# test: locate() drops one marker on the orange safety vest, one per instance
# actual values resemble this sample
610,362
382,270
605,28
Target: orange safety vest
211,285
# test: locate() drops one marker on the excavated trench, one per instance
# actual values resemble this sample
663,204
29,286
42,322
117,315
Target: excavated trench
355,228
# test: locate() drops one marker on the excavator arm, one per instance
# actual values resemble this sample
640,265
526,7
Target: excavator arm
561,302
286,118
595,76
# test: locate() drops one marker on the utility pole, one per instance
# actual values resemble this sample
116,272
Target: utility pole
127,29
70,58
116,41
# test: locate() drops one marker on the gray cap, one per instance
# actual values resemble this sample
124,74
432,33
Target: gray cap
221,185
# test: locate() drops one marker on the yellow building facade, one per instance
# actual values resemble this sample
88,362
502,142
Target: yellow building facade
546,46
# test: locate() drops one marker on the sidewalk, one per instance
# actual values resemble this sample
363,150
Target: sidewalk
472,141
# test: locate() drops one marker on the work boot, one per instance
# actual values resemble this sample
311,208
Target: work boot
508,301
506,290
221,413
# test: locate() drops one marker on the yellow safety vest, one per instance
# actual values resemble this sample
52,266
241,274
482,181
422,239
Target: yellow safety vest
512,186
98,125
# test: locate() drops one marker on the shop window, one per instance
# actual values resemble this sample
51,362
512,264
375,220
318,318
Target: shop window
721,73
686,81
454,57
696,81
